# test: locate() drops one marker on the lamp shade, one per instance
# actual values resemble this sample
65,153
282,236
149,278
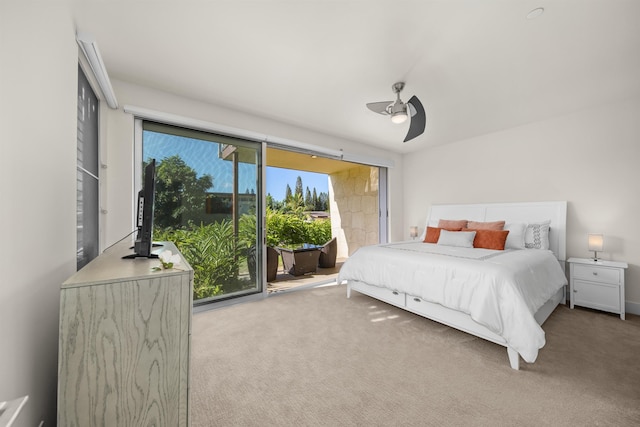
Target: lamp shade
596,242
413,231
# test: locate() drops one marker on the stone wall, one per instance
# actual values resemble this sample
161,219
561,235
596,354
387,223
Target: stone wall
353,196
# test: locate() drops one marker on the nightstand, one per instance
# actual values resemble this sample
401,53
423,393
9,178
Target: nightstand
597,284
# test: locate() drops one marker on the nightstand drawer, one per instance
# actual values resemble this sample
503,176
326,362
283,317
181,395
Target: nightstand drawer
600,296
595,273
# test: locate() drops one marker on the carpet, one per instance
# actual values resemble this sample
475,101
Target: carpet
315,358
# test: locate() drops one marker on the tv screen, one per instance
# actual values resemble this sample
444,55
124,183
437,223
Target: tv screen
144,240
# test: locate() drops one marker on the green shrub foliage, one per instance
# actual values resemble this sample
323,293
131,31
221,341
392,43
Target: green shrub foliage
211,251
294,229
218,258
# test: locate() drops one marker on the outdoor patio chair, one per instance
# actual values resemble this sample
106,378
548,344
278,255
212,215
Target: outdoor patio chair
328,254
272,264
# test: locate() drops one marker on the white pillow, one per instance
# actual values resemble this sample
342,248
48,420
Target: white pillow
463,239
515,238
537,236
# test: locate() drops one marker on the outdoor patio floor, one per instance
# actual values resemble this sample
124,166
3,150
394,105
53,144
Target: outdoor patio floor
285,281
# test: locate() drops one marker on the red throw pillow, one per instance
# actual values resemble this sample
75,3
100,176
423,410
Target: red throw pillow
489,239
433,233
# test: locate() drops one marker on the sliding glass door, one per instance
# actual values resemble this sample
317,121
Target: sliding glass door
208,202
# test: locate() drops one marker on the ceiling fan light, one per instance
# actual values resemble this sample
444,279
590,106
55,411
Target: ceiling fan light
399,117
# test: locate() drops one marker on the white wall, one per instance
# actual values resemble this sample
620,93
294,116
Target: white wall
119,158
38,87
589,158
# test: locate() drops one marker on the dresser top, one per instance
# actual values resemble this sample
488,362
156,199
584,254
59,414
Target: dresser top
110,267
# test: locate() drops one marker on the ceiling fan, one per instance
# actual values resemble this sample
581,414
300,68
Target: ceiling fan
399,111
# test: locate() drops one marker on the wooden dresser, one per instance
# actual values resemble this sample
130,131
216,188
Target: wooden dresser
124,342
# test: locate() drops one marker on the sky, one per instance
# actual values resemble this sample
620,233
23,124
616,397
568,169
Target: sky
278,178
203,157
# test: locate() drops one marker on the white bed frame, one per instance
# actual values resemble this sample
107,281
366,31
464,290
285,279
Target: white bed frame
531,212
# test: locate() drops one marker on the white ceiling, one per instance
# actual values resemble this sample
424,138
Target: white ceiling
477,66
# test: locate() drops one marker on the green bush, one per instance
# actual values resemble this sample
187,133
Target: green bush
319,231
293,229
211,251
217,258
247,231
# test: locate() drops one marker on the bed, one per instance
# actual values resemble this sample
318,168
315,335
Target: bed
503,296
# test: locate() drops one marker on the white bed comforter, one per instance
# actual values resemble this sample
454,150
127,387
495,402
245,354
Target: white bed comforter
499,289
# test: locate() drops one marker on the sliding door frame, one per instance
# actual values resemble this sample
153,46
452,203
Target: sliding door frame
171,120
383,205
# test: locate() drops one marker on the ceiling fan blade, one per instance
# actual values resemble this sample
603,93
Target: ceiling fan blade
379,107
418,118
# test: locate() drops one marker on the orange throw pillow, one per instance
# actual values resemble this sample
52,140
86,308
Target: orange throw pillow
449,224
489,239
433,234
493,225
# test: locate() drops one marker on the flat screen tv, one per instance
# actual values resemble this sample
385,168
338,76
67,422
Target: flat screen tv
144,240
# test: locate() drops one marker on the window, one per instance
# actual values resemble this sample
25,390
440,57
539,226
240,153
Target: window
87,173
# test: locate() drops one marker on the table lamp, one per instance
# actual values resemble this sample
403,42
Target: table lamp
413,231
596,244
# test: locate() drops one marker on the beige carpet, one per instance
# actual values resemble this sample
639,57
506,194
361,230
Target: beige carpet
315,358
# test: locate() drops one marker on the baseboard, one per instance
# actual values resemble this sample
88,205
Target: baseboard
632,307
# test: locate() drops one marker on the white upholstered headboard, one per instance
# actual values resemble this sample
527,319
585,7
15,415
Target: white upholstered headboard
526,212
